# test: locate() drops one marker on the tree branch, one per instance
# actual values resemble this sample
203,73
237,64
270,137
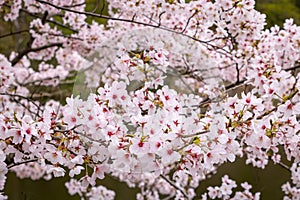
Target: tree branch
234,85
188,21
28,50
20,163
175,186
22,97
14,33
292,68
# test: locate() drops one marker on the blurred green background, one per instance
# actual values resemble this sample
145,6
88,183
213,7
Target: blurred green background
268,181
279,10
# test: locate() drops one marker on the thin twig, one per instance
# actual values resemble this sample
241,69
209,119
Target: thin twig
14,33
20,163
22,97
175,186
76,5
284,166
194,134
188,21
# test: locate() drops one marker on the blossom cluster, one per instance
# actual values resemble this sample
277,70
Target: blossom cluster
225,191
177,89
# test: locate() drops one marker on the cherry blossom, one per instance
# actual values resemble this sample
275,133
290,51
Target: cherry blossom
169,91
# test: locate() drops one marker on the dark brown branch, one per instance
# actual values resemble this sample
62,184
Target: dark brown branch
159,17
175,186
292,68
237,73
236,84
194,134
20,163
188,21
14,33
28,50
44,18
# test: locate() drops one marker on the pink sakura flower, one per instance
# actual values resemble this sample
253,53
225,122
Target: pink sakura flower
253,102
100,192
246,186
98,153
28,128
3,128
77,160
295,169
74,187
147,163
71,119
259,140
215,155
139,146
289,109
74,20
223,138
57,171
118,94
14,11
168,154
2,183
124,63
17,135
290,191
233,148
155,83
160,57
85,182
96,125
122,160
2,156
168,97
110,131
72,111
75,171
155,143
98,173
3,197
213,192
53,155
271,88
149,107
227,185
